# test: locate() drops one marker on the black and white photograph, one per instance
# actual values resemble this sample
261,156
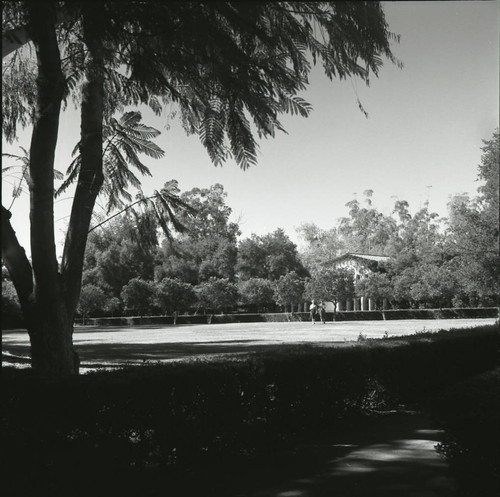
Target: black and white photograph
250,249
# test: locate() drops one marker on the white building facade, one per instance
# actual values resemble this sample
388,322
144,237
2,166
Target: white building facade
361,265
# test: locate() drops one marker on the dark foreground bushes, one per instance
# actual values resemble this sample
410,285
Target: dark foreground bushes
133,425
469,412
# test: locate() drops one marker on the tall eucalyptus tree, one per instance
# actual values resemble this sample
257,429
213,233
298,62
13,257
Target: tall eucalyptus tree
225,64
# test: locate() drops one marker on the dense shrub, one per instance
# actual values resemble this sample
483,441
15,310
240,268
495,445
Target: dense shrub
469,412
185,415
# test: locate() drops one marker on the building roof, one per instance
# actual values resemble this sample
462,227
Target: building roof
363,257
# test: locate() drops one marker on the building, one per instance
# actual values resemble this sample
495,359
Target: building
361,265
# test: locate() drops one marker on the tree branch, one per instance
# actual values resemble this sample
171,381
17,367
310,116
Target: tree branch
121,212
50,87
18,265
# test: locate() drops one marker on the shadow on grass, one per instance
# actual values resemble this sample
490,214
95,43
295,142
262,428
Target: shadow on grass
98,354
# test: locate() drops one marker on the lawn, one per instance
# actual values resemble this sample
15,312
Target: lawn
118,345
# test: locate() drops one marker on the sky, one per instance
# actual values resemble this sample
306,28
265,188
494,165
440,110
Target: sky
421,141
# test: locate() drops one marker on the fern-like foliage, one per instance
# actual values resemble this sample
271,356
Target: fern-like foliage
21,174
162,210
124,140
230,68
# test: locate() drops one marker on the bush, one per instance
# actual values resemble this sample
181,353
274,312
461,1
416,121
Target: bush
470,412
187,415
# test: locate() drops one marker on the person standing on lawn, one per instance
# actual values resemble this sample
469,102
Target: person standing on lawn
313,308
321,311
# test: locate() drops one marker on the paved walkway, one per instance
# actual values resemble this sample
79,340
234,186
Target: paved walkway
392,455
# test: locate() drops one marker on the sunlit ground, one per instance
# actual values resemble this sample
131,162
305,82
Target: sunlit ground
102,347
404,464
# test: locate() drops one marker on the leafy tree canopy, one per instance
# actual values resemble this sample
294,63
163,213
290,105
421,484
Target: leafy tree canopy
229,66
269,256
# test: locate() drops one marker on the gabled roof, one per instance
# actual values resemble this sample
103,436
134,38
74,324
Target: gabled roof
363,257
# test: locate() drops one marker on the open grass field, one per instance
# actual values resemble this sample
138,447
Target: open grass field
118,346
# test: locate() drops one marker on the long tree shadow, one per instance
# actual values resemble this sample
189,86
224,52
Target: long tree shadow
95,355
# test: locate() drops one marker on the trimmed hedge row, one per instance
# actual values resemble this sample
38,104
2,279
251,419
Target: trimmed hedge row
391,314
185,415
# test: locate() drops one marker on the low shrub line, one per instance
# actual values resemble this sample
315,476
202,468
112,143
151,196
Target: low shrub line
390,314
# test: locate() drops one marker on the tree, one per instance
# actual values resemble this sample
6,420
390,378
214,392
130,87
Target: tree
221,63
11,310
257,293
139,296
435,286
174,295
124,139
270,256
473,232
333,285
376,286
366,230
217,294
323,247
92,300
289,290
251,262
207,246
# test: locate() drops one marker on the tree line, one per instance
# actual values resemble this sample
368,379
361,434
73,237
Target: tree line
433,262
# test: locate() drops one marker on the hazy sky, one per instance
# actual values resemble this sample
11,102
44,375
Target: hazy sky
420,142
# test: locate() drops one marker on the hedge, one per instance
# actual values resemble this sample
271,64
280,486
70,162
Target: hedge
392,314
158,418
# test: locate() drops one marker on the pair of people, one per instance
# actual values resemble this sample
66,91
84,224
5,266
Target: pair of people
317,310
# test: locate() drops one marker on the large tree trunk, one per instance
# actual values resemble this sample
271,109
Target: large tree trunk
48,325
48,297
90,176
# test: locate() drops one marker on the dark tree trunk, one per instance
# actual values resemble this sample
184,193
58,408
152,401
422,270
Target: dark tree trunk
90,177
48,325
48,296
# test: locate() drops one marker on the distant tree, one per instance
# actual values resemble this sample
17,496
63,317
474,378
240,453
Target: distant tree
92,301
212,214
435,286
289,290
331,285
257,293
217,294
323,247
207,247
174,295
376,286
139,296
270,256
366,230
11,309
251,261
114,256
